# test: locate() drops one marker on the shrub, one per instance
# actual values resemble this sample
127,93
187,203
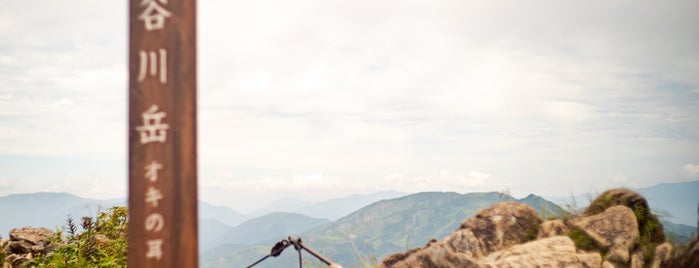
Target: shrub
102,243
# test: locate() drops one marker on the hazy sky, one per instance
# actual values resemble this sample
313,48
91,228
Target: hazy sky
326,98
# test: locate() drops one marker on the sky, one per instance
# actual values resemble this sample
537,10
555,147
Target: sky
322,99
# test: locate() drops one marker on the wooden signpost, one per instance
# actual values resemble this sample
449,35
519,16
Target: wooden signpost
162,134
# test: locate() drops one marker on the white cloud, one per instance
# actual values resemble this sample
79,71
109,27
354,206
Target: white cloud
620,179
358,89
6,184
692,170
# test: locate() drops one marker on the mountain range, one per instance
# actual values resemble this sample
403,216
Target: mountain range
381,228
347,230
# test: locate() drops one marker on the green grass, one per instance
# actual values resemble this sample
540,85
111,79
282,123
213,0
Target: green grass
582,241
87,248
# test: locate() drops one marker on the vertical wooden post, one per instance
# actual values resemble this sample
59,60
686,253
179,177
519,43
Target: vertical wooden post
162,134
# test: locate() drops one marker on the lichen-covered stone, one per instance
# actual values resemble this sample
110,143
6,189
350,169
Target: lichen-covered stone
551,229
634,201
615,229
558,251
637,260
35,236
500,226
435,255
662,255
26,242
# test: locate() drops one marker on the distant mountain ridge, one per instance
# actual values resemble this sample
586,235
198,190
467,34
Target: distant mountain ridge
331,209
46,209
276,225
337,208
679,200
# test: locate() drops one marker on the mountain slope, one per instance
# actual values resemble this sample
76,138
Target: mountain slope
542,206
334,209
273,226
398,224
331,209
281,205
222,214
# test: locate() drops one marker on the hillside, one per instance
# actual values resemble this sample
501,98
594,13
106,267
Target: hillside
222,214
273,226
335,209
381,228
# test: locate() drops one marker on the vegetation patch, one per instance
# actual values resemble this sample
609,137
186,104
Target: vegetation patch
102,242
582,241
532,232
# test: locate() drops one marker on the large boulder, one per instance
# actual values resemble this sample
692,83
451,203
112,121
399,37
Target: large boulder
34,236
615,229
498,227
647,222
558,251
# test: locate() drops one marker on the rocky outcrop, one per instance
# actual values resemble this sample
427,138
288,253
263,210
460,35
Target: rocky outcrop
498,227
662,254
617,230
552,228
637,203
557,251
25,243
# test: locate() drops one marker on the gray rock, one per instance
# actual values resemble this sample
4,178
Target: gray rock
607,264
632,200
558,251
433,255
662,255
551,229
637,260
24,243
615,229
35,236
498,227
